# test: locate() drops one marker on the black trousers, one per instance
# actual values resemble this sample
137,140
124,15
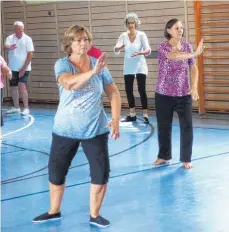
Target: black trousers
165,107
129,87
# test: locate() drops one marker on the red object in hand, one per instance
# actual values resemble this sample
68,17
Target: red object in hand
94,52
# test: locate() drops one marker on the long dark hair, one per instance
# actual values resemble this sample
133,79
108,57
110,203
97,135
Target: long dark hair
169,25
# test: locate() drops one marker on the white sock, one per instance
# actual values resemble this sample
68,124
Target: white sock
132,114
145,115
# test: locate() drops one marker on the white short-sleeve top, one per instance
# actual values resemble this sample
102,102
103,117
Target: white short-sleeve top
18,56
137,64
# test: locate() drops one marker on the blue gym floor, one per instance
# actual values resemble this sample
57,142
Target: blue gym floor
140,197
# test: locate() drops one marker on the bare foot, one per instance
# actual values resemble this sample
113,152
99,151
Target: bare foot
188,165
161,161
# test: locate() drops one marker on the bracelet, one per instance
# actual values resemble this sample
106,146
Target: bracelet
115,120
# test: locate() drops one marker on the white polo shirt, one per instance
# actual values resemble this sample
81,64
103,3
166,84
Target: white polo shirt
137,64
17,57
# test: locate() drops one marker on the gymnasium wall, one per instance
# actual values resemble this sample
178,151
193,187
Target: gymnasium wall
46,24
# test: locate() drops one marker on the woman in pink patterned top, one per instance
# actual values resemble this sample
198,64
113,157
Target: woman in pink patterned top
173,92
3,69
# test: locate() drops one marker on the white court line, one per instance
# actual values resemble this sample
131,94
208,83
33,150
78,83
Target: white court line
23,128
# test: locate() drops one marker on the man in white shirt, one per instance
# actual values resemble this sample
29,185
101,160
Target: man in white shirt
20,52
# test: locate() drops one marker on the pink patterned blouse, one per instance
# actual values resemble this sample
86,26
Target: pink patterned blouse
173,79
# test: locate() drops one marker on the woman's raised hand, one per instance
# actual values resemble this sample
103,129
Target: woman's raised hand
200,48
100,64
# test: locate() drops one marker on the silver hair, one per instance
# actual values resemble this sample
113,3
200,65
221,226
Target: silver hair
19,23
134,16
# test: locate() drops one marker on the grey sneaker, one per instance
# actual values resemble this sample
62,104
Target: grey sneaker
47,217
99,222
13,110
25,112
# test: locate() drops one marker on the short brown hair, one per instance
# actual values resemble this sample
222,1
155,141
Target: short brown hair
69,36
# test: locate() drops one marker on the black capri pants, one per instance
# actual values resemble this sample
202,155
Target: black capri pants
64,149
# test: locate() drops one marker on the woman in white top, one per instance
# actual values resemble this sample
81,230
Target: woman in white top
136,46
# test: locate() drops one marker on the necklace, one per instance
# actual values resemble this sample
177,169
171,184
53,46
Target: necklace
133,35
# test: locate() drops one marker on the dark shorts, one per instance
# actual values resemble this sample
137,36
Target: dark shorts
64,149
16,79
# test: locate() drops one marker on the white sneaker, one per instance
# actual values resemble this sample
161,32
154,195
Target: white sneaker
25,112
13,110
